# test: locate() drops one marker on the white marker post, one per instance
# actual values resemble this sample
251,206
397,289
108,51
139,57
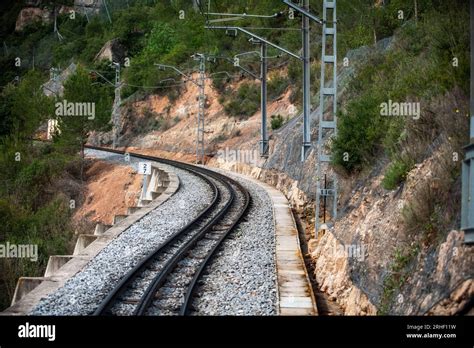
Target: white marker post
145,169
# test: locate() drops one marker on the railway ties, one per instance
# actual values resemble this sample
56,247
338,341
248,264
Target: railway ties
165,282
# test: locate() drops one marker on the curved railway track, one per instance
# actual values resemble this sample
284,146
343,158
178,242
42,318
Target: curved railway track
166,280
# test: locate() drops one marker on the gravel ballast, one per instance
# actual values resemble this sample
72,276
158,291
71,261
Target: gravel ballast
81,294
241,279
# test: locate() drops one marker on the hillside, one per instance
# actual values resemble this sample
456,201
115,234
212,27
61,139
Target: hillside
399,200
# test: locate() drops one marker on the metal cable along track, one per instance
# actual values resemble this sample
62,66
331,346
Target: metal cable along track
170,274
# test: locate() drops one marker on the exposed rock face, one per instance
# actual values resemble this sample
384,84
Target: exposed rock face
456,301
373,229
288,139
112,51
354,258
30,15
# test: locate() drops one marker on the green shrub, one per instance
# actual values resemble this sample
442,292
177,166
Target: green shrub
396,173
360,130
245,102
398,274
417,68
277,121
277,86
221,138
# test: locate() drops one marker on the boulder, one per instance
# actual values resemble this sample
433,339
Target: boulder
112,51
29,15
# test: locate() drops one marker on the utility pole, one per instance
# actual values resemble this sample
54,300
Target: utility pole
263,99
263,76
56,30
116,108
306,145
202,108
328,121
306,85
263,87
200,83
467,203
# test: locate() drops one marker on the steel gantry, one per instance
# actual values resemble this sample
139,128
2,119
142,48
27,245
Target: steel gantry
202,108
326,181
327,96
263,78
116,117
327,120
467,202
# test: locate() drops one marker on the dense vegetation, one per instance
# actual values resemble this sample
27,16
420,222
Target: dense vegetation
427,63
153,31
418,69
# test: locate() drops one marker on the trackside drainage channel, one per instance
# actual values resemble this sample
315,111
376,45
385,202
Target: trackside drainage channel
324,305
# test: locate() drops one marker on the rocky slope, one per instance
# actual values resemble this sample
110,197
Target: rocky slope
368,263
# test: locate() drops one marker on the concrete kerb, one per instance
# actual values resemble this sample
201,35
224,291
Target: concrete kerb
294,290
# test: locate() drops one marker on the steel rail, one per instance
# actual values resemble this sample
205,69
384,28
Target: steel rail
147,298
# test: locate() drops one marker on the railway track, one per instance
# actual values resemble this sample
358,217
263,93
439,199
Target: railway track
166,280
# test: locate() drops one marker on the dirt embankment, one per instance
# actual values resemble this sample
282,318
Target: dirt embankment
108,191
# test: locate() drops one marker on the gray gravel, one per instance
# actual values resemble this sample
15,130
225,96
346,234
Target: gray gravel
82,293
141,283
241,280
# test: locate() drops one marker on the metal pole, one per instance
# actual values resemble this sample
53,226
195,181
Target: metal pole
328,120
306,85
304,11
257,38
325,198
467,203
201,112
116,108
263,100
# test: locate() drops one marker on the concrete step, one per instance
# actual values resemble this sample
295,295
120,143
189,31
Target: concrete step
144,202
161,189
118,218
83,241
100,229
155,195
55,262
132,210
24,286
